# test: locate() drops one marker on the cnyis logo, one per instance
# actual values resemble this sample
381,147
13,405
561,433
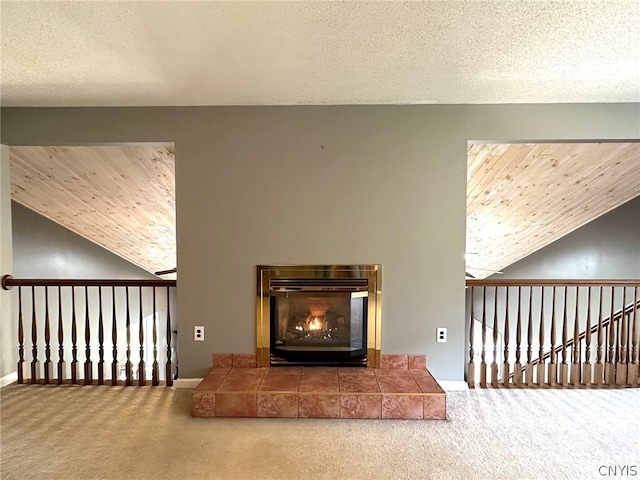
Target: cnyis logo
618,470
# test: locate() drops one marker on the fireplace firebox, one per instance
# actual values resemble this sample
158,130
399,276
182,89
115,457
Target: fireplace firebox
318,315
319,320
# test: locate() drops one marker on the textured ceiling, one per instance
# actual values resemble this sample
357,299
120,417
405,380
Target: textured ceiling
273,53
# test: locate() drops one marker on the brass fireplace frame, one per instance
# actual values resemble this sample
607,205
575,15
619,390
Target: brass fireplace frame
373,273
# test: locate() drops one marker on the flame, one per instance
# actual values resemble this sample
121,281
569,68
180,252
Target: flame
315,324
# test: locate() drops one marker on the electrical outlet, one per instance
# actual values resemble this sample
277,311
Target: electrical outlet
198,334
441,335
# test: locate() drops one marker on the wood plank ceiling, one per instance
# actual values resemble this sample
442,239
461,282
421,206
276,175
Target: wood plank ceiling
520,197
120,197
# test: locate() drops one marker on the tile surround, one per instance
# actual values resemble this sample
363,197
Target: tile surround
211,382
358,384
224,360
394,361
393,384
360,406
435,407
240,383
403,407
402,389
236,405
244,360
314,405
348,372
275,382
277,405
204,404
417,362
319,383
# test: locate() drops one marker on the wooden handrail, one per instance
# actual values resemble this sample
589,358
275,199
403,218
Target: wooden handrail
8,281
552,282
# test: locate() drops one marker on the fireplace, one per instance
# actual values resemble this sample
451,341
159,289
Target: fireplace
319,315
318,320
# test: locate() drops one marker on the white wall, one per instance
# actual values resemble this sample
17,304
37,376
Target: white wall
8,329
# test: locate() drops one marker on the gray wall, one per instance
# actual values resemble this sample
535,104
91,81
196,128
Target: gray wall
44,249
334,184
608,247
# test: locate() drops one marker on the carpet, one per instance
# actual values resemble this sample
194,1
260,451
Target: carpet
100,432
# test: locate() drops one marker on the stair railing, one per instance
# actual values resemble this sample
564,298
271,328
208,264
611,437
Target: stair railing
79,313
622,350
600,317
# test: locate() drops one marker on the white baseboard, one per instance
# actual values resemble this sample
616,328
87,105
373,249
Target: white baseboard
187,382
178,383
453,385
8,379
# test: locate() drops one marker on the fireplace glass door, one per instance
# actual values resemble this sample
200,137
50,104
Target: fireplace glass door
319,324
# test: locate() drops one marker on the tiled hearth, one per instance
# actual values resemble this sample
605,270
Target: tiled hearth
402,389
